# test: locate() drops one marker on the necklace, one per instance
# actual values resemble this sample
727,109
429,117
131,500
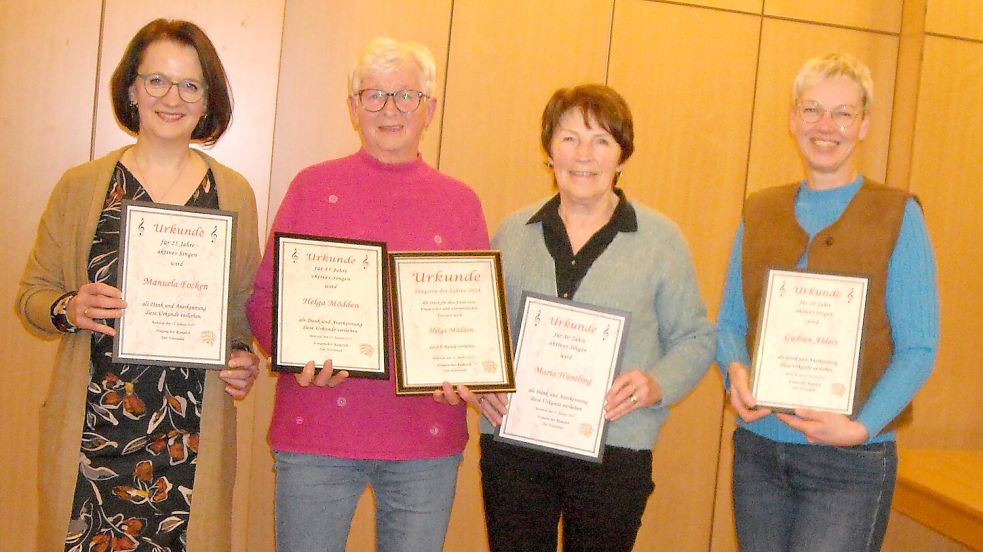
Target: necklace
143,178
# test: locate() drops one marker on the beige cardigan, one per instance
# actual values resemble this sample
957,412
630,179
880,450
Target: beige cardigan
58,264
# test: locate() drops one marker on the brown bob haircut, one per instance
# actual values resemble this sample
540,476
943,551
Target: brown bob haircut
597,101
218,95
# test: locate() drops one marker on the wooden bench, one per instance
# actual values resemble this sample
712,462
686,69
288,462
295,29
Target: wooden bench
943,490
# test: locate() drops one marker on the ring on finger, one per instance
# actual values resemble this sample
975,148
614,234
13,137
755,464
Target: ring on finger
633,398
480,400
85,312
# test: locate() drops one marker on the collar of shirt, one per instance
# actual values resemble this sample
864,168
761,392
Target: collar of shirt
571,268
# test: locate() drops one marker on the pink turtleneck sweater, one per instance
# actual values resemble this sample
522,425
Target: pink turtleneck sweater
411,207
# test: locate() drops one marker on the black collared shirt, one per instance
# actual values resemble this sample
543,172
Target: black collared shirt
570,268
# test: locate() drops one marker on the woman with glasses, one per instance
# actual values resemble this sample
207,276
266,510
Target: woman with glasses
591,244
814,480
151,436
331,435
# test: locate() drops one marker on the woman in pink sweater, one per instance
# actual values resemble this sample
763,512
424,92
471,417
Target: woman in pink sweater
333,438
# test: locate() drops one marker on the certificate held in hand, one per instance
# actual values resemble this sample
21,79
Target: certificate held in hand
808,347
174,273
567,356
329,303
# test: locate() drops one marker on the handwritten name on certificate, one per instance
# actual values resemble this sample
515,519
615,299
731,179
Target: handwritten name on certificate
330,303
809,341
174,271
566,358
450,321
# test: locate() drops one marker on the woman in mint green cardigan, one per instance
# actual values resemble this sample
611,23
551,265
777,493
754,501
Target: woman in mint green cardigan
591,244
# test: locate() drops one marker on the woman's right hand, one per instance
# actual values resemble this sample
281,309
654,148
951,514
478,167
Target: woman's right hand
741,397
95,302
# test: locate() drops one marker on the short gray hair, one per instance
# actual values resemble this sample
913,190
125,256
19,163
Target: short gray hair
833,65
383,55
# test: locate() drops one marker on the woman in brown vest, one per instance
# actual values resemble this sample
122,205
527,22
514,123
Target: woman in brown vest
809,479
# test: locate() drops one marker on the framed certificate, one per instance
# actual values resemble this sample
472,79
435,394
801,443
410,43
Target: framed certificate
174,272
566,358
809,339
449,321
329,302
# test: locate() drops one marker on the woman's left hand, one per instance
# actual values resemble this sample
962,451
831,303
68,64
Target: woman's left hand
828,428
241,373
630,391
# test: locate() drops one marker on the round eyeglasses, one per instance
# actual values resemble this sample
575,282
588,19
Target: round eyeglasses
158,86
842,116
406,101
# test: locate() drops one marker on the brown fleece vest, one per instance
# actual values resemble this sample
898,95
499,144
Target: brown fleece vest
860,242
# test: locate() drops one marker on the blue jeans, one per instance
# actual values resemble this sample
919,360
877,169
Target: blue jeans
811,498
316,498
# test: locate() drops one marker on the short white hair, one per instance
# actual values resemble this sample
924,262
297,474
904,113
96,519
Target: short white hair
830,66
384,55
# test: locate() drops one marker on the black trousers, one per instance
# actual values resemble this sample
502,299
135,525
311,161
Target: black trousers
527,491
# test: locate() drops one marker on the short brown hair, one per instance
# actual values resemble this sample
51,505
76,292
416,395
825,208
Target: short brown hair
218,95
597,101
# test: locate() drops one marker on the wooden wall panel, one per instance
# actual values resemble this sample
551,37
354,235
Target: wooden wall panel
877,15
692,134
506,60
746,6
906,535
961,18
946,165
247,36
321,41
785,45
48,55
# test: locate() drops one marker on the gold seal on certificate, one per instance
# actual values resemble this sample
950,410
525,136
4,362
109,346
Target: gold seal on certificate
330,303
450,322
808,347
174,270
566,358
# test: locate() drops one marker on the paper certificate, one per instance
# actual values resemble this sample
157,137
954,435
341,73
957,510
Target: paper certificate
809,341
174,270
566,358
330,303
450,322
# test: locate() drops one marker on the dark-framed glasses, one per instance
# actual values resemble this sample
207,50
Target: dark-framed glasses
406,101
842,116
158,86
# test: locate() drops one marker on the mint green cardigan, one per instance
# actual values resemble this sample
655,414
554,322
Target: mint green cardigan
649,273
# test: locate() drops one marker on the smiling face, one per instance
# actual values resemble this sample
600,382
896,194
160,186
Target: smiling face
169,117
826,148
388,134
585,159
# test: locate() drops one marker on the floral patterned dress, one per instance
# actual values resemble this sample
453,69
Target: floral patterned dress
140,435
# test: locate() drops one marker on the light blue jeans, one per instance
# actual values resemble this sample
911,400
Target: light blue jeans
316,498
809,498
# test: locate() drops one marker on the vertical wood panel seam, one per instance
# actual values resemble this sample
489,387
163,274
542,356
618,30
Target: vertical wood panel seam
95,99
251,473
747,172
607,61
901,84
447,78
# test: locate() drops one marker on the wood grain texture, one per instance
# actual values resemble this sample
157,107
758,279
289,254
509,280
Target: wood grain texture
956,18
48,55
785,46
878,15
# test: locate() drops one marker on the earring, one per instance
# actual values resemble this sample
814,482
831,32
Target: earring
548,163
